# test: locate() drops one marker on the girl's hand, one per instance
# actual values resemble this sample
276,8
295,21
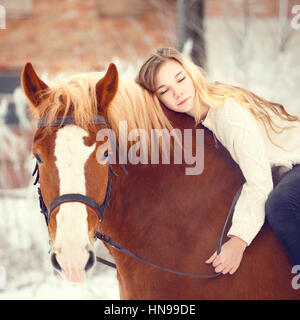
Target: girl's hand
230,257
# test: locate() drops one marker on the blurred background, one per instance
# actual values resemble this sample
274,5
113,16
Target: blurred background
250,43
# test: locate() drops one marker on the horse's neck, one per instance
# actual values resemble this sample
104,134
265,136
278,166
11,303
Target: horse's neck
179,120
141,188
156,204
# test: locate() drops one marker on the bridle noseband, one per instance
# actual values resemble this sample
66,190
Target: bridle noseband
99,209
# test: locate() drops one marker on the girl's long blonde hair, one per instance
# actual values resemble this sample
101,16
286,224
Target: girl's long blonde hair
214,94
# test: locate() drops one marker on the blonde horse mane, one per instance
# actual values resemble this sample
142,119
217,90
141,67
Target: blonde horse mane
76,95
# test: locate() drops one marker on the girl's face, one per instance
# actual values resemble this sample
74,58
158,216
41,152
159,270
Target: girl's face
174,87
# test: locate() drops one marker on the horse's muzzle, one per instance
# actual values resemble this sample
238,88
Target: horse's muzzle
58,270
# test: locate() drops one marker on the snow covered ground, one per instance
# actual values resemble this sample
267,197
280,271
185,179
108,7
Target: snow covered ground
24,257
36,286
247,55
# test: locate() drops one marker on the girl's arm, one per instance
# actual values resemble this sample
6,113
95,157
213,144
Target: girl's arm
238,131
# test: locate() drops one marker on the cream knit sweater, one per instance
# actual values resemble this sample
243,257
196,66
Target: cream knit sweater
246,140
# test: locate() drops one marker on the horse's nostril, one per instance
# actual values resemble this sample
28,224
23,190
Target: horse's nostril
54,262
91,261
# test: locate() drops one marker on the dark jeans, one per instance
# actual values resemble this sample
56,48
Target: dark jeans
283,213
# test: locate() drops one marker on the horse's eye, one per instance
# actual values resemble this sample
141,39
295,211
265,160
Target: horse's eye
38,158
104,157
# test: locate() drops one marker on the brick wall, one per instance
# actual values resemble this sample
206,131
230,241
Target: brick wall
72,35
85,35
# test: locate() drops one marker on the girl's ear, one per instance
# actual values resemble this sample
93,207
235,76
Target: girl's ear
106,88
32,84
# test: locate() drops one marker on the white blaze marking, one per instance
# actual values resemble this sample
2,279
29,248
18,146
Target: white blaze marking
71,155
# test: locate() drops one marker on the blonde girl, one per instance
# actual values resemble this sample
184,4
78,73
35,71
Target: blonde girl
259,135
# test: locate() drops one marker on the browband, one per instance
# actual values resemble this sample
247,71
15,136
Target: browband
68,120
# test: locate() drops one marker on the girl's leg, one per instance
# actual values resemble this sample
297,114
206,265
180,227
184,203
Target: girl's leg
283,213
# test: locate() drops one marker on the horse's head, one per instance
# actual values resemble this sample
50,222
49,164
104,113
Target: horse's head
68,163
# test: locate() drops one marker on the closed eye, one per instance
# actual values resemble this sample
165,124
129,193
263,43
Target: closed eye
181,79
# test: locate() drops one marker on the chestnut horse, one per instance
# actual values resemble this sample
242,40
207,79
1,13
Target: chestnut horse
156,211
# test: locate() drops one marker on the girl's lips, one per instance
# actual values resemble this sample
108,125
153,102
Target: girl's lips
182,102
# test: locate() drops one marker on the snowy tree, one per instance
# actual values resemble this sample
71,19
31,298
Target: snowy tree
191,29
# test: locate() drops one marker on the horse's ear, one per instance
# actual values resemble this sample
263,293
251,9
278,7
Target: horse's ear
106,88
31,84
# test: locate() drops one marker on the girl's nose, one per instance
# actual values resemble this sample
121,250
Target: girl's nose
177,94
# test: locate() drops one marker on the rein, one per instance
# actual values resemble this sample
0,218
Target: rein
118,247
100,209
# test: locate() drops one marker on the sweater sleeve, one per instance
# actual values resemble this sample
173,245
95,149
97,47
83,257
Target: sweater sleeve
239,132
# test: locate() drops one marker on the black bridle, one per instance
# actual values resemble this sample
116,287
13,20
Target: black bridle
100,209
71,197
